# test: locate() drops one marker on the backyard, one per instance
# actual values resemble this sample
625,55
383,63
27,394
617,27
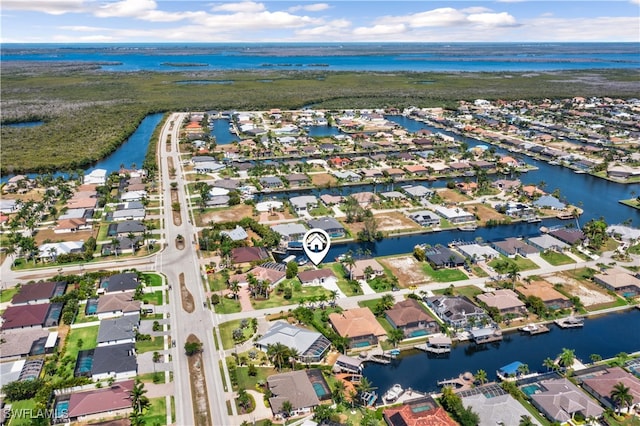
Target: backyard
555,258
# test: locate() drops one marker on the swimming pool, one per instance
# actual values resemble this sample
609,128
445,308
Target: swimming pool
92,307
361,344
530,389
418,333
320,390
84,363
62,409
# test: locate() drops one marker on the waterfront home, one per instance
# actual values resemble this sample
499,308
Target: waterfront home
271,182
270,273
569,236
601,382
531,191
119,330
512,247
546,242
393,195
457,311
245,255
418,412
456,215
20,343
371,173
549,202
297,179
494,405
364,269
317,277
290,231
304,203
328,224
622,172
8,206
94,404
95,177
299,389
394,173
86,214
417,169
339,162
117,361
348,364
226,183
116,305
121,282
410,317
236,234
476,252
424,218
618,280
310,346
504,300
560,400
31,316
417,191
330,200
365,198
41,292
506,184
346,175
443,257
624,233
551,297
359,326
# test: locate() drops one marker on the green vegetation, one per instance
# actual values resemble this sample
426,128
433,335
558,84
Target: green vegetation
443,275
7,295
154,344
156,414
119,101
555,258
230,334
154,298
522,263
152,279
81,339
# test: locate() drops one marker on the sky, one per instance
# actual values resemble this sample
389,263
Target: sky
142,21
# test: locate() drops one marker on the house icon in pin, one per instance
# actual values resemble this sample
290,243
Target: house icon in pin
316,242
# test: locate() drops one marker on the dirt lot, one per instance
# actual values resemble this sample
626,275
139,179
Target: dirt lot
407,269
590,294
484,211
34,194
387,222
227,215
452,196
323,179
47,234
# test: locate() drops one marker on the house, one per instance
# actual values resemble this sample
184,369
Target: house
95,177
549,202
128,214
119,330
64,226
290,231
271,182
511,247
93,404
310,346
328,224
134,227
551,297
246,255
303,203
506,184
316,276
8,206
117,304
117,361
456,215
425,218
126,281
346,175
618,280
86,214
504,300
208,166
622,232
560,400
226,183
477,252
418,412
443,257
371,173
600,383
365,198
330,200
418,169
121,245
218,201
31,294
298,388
393,195
546,242
410,317
362,265
417,191
272,276
359,326
456,311
297,179
236,234
20,343
133,196
494,406
569,236
31,316
394,173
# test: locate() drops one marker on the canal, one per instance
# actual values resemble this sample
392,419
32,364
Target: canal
606,336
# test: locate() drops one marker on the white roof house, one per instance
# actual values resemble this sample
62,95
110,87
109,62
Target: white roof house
236,234
133,196
311,345
266,206
52,250
456,215
290,231
97,176
300,204
477,251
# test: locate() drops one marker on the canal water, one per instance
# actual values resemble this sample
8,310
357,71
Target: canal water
606,336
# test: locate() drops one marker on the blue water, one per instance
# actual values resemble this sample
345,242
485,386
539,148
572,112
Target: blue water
25,124
336,57
606,336
221,132
62,409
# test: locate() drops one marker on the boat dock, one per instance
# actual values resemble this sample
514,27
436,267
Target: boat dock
377,355
569,322
463,381
436,345
486,335
533,329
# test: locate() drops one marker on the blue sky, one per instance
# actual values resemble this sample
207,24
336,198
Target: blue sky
60,21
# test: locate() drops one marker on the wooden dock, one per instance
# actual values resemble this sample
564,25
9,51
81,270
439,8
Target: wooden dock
433,349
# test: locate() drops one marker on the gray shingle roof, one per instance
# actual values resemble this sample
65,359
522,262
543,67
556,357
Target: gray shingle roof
114,359
120,328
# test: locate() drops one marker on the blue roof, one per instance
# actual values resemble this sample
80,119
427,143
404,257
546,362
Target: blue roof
510,368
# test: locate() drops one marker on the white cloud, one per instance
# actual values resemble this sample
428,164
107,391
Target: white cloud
52,7
316,7
245,6
442,17
380,30
477,9
82,28
256,21
635,1
125,8
502,19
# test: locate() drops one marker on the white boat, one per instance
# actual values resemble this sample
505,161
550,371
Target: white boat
529,328
393,393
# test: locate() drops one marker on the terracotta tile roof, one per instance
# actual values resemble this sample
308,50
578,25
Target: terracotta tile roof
248,254
407,312
405,416
356,322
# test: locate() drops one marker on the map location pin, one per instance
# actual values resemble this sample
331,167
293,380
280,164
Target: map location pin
316,244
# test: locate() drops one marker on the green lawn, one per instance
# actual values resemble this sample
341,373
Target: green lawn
82,318
226,333
343,285
153,279
156,414
155,344
321,210
479,272
249,382
300,294
227,306
556,258
102,232
23,407
633,250
523,263
443,275
89,337
157,377
154,298
7,295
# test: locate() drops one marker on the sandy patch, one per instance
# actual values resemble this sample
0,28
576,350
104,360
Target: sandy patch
323,179
484,211
407,269
233,213
452,196
588,293
48,234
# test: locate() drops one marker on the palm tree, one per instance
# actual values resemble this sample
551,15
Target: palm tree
115,243
621,396
333,295
523,369
278,353
138,399
286,409
234,286
387,301
549,363
364,387
481,376
525,421
566,358
395,336
351,262
337,393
